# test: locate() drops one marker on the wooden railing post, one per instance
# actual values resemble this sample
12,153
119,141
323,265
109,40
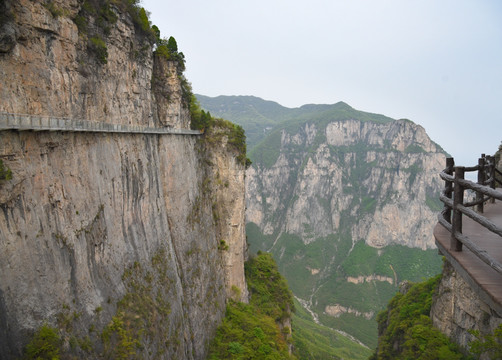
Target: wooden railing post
448,187
491,174
481,181
458,199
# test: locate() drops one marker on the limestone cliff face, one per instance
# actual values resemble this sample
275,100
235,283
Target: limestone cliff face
110,235
227,189
49,70
381,175
457,309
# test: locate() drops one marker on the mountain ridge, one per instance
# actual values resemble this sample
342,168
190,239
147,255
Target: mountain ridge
280,115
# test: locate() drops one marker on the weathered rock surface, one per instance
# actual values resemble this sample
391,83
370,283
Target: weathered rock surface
50,71
101,227
362,279
336,310
382,175
457,309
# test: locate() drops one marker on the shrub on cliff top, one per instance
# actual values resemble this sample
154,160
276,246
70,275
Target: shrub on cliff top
269,289
215,128
250,331
105,17
168,48
406,331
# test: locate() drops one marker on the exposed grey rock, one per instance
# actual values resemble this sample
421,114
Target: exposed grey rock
7,37
395,183
457,309
96,227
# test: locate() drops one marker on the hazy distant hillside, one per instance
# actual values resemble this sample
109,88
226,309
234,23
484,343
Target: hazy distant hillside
255,115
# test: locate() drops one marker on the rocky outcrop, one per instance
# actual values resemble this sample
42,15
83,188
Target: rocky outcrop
110,235
382,175
336,310
457,309
168,90
227,189
362,279
49,68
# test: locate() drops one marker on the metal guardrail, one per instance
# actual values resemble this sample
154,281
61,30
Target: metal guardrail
454,206
10,121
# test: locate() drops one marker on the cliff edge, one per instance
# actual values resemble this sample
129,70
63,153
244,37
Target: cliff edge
113,240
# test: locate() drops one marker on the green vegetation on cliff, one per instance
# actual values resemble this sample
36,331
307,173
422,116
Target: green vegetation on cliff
247,334
215,128
45,344
97,17
304,267
168,48
252,331
269,289
104,16
5,172
489,345
406,331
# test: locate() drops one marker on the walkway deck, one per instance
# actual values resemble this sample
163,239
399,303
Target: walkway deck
486,281
42,123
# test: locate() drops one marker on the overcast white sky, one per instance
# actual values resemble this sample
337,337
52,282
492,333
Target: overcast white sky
437,63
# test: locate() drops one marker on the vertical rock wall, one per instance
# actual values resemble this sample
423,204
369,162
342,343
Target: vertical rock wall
457,309
229,206
50,72
109,237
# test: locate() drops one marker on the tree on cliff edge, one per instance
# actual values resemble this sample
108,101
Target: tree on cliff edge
172,46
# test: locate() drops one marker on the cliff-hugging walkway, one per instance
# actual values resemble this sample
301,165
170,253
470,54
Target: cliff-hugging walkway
9,121
486,281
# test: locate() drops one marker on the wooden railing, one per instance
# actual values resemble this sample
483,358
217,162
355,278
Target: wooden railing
455,207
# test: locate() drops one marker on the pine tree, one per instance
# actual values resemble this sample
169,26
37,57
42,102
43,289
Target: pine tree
172,46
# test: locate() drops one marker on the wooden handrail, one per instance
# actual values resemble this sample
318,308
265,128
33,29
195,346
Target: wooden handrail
454,205
482,254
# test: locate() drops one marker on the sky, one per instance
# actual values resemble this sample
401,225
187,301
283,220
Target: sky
437,63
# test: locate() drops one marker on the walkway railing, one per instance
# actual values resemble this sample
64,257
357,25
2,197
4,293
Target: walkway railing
455,207
9,121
